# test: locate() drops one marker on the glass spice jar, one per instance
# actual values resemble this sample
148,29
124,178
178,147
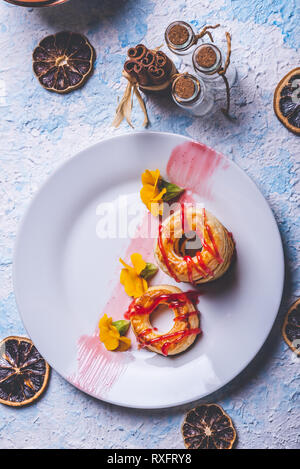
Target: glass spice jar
207,60
179,37
191,94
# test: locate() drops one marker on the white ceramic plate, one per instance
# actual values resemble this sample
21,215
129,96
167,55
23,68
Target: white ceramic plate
66,276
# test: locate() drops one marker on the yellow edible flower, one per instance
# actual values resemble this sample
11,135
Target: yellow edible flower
130,276
111,337
150,193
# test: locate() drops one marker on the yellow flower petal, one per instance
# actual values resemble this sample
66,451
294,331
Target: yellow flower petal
159,196
124,344
156,176
111,343
150,194
128,280
109,334
138,262
104,321
129,277
154,208
141,286
147,193
129,267
134,285
150,177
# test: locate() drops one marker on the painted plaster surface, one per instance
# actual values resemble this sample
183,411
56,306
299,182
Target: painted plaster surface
40,130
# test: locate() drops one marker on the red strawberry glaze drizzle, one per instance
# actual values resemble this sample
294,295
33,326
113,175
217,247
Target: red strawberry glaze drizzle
180,335
181,317
167,345
190,265
204,269
173,334
202,264
182,216
164,255
173,300
145,332
212,239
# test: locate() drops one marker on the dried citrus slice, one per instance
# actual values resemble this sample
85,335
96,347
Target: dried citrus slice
287,100
23,372
291,327
208,427
62,62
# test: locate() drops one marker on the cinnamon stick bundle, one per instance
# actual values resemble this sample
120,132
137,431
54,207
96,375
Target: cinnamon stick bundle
148,71
135,69
148,60
137,52
129,67
148,67
157,75
142,75
163,61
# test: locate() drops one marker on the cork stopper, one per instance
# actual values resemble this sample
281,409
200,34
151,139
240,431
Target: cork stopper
206,57
179,37
186,88
178,34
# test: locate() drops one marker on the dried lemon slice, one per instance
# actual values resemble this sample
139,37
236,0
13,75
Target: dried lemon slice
62,62
291,327
287,100
208,427
23,372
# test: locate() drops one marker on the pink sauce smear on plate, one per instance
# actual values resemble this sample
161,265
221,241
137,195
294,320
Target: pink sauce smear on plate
192,165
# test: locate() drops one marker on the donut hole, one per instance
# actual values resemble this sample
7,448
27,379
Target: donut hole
162,318
188,245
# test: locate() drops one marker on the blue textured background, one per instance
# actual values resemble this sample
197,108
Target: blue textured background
40,130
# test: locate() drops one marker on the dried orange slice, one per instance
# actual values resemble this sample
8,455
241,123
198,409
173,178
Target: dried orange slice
287,100
23,372
62,62
208,427
291,327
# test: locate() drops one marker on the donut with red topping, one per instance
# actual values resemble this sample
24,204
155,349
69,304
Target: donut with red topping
193,246
186,319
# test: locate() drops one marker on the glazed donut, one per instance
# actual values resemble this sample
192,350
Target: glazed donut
186,320
215,252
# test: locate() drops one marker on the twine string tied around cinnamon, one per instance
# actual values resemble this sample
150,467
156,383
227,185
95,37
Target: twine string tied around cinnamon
124,108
